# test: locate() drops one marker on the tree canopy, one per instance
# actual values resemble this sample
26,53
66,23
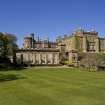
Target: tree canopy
7,44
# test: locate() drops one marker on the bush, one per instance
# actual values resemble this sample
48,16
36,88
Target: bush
92,60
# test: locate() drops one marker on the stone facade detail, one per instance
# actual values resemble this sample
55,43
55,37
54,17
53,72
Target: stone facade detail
97,45
34,57
84,44
81,42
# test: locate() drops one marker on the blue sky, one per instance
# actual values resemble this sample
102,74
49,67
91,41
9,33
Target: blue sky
50,18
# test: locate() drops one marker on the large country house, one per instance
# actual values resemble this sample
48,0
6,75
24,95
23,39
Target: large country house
44,52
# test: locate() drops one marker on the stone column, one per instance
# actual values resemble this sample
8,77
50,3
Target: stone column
97,45
31,57
39,58
84,44
51,58
55,58
46,58
34,58
26,57
58,58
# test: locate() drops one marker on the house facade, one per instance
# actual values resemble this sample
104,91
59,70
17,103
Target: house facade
46,52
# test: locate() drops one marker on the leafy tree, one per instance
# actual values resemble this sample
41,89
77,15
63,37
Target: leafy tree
3,45
8,45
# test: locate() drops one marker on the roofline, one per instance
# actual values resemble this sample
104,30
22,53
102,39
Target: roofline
39,50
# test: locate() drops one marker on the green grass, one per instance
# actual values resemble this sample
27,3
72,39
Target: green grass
53,86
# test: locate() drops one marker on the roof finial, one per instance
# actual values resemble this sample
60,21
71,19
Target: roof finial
93,29
80,28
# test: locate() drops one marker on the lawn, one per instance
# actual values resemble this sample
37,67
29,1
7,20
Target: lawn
52,86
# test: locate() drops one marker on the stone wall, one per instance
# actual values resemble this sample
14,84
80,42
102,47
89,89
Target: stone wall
37,58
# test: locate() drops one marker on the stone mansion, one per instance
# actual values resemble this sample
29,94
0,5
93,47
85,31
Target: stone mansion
45,52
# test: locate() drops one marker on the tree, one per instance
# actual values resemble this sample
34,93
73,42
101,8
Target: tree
3,47
12,46
8,45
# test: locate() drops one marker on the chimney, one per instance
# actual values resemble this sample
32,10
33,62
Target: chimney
32,36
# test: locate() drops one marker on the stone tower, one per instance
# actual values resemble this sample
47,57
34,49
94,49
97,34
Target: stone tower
27,43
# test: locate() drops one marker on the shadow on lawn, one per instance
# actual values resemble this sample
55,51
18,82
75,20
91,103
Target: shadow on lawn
12,68
9,77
